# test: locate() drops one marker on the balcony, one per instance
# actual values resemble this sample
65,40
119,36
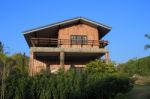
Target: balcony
53,42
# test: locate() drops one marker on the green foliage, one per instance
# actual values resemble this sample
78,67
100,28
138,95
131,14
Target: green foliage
1,47
121,96
67,85
147,45
140,92
99,66
15,63
20,63
136,66
10,65
98,81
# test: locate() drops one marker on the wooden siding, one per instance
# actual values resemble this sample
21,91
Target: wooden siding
80,29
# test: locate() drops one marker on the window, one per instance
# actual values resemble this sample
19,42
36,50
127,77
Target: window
78,39
79,69
84,39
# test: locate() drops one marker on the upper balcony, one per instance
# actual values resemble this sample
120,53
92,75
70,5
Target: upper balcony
67,43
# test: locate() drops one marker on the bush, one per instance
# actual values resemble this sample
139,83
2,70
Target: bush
101,84
99,66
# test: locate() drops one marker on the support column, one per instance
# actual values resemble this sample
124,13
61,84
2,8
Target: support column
31,69
107,57
62,59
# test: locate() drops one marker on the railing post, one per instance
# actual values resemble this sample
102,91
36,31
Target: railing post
59,42
70,43
99,43
81,43
92,43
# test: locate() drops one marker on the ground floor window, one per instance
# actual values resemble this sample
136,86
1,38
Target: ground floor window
78,69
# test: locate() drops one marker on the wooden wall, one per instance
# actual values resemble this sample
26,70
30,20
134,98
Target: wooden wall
80,29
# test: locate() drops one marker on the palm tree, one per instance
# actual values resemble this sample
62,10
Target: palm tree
5,63
1,47
147,45
20,62
3,69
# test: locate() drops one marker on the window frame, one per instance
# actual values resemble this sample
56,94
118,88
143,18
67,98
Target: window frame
79,39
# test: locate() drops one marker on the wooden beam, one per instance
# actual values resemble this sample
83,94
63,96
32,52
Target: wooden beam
33,44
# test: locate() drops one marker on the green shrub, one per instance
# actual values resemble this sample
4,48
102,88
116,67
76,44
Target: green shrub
101,84
136,66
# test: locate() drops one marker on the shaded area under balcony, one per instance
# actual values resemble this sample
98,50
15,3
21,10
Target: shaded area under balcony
69,57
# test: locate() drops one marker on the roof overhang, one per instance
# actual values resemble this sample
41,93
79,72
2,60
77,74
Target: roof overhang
53,28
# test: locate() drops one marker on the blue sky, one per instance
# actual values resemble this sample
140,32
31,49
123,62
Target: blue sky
129,19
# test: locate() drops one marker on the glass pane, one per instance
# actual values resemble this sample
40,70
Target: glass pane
73,39
84,39
79,39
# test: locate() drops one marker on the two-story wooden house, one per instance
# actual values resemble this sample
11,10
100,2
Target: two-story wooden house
68,44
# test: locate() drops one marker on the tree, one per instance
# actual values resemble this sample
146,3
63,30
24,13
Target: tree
20,62
17,63
1,47
147,45
139,66
3,59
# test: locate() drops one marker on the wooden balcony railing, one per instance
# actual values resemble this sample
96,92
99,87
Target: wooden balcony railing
53,42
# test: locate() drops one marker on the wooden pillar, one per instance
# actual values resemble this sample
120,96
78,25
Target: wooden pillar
107,57
31,66
62,59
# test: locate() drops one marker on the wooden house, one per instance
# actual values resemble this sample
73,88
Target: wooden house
68,44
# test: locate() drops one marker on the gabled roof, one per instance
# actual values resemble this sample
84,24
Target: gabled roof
67,22
52,28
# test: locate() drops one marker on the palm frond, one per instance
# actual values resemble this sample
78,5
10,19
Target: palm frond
147,46
147,35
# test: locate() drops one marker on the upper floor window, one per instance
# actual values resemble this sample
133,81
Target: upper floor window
78,39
